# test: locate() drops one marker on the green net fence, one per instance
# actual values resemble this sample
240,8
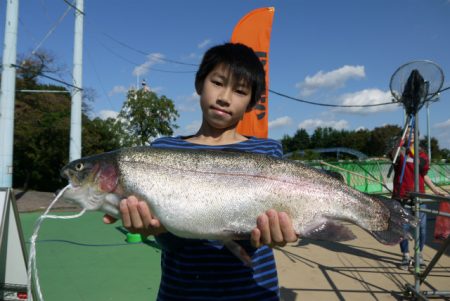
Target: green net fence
372,176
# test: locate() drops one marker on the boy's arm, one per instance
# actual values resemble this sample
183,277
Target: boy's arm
137,218
274,229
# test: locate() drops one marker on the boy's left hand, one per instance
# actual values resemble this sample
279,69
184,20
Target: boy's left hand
274,229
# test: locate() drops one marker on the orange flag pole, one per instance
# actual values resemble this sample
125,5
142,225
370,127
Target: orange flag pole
254,30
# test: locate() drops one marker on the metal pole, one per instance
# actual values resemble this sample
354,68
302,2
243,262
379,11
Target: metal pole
75,117
7,94
416,203
428,131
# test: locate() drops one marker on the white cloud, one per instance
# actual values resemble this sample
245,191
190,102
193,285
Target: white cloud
194,97
152,59
367,97
360,128
332,79
118,90
442,133
280,122
204,43
105,114
443,125
311,124
192,57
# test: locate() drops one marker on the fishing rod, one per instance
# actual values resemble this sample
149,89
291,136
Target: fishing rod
374,178
351,172
399,145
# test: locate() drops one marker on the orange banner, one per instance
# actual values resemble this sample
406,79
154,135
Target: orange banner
254,30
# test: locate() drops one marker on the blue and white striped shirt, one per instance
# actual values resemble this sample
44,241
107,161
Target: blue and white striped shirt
205,269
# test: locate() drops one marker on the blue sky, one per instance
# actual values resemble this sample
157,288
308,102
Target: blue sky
336,52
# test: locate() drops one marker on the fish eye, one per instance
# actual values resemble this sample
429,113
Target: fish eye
79,166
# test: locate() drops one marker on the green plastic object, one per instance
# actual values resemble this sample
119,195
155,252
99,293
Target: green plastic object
134,238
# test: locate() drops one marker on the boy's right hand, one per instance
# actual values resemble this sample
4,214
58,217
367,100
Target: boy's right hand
137,218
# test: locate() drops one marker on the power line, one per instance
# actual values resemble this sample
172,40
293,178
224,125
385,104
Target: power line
272,91
49,77
74,7
330,105
99,80
442,90
341,106
136,64
52,29
146,53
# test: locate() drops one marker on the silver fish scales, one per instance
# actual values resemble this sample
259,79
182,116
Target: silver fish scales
219,194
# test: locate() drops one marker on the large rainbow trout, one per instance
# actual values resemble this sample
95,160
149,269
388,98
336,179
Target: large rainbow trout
219,194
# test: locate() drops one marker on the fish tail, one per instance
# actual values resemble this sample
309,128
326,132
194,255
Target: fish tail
398,218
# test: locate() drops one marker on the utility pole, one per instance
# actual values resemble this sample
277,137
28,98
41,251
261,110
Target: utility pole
7,94
428,131
75,116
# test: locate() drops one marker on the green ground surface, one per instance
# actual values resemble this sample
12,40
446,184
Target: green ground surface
83,259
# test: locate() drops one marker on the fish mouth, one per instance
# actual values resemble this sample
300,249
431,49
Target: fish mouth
71,177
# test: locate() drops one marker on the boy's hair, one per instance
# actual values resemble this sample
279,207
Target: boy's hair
243,64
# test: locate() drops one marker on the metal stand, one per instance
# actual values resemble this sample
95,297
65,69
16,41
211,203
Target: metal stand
13,259
414,291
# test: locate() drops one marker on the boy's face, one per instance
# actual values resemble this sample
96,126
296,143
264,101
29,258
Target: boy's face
223,101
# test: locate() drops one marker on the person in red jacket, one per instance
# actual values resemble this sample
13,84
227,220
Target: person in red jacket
404,184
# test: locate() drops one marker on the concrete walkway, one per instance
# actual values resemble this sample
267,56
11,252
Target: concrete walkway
362,269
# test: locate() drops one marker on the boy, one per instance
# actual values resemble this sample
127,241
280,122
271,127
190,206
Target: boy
230,80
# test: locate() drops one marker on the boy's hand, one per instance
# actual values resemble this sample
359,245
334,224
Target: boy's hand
274,229
137,218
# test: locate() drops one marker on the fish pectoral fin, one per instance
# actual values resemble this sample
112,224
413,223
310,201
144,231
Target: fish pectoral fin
328,230
238,251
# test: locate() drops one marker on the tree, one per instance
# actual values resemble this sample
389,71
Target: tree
103,135
41,139
145,115
34,65
436,153
380,141
357,140
326,137
300,141
287,143
41,130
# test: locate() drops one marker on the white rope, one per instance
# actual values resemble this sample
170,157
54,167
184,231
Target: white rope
32,268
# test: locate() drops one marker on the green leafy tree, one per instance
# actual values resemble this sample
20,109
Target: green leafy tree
145,115
380,141
436,153
104,135
317,138
300,141
287,143
40,140
357,139
42,129
445,152
326,137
